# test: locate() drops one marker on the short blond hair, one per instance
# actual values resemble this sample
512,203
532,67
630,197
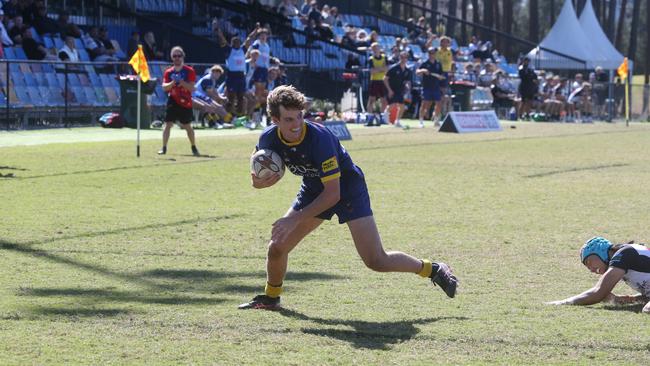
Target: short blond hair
216,68
286,96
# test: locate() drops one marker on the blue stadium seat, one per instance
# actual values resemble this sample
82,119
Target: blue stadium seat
52,95
58,42
24,99
83,55
18,78
9,53
29,79
20,53
52,81
35,96
79,96
91,97
83,79
48,42
73,80
102,99
94,79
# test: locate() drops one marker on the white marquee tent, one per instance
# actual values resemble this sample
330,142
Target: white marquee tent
583,41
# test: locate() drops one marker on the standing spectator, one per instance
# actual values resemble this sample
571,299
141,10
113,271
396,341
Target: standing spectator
235,76
44,24
150,48
397,82
334,20
527,87
600,90
446,58
66,28
378,64
431,73
4,36
178,82
132,46
11,9
35,50
262,66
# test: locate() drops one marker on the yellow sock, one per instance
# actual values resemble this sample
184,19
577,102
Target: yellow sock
426,268
227,118
272,291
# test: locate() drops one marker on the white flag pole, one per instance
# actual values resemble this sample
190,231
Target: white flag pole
138,117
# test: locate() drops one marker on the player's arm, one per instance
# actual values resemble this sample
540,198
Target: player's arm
189,85
420,72
387,85
598,293
330,195
167,85
212,92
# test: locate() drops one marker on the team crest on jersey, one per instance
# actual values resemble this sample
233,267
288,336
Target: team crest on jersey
330,164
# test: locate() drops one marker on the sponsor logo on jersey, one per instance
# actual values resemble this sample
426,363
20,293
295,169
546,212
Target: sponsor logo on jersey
330,164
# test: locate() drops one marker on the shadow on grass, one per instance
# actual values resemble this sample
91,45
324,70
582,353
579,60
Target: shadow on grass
8,175
12,168
92,171
364,334
194,274
109,295
79,312
634,308
577,169
161,225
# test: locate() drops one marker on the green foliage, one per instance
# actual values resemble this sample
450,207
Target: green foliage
110,259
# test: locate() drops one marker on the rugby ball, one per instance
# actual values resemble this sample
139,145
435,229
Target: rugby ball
266,162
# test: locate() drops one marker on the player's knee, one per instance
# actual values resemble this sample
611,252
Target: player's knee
646,308
376,263
276,250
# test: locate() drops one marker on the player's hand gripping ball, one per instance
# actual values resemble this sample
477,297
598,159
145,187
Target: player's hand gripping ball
266,162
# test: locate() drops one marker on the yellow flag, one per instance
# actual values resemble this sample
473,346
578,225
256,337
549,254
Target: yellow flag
139,64
622,70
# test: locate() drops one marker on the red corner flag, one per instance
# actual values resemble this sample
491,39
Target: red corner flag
622,70
139,64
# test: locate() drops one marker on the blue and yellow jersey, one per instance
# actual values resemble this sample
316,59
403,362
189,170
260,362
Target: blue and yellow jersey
317,157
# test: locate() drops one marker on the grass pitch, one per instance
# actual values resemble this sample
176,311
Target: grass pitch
110,259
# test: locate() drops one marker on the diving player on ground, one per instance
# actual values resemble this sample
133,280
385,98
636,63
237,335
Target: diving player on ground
332,184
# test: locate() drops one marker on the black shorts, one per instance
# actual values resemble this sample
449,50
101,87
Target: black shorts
175,113
377,89
398,97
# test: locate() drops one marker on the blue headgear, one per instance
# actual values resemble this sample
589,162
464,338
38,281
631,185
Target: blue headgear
598,246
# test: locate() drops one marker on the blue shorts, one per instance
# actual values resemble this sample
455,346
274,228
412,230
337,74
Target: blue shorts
431,94
260,75
347,209
236,82
444,83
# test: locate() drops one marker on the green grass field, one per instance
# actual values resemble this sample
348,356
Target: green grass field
110,259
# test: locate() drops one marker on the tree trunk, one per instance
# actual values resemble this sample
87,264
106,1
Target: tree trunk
463,16
621,23
533,21
476,18
579,6
596,6
551,12
634,30
507,26
451,24
498,21
488,19
611,14
647,45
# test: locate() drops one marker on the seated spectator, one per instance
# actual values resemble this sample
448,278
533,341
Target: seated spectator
107,43
288,9
363,42
350,39
334,20
69,52
150,48
44,24
4,36
132,46
95,46
35,50
325,13
581,99
469,74
16,30
501,97
66,28
393,58
314,13
486,75
207,99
